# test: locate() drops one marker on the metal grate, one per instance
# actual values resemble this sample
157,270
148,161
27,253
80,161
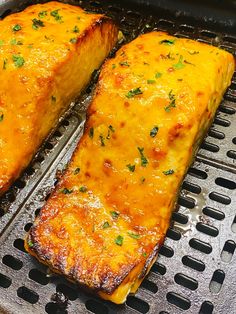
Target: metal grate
196,267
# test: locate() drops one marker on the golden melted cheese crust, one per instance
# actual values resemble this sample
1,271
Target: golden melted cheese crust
105,221
47,55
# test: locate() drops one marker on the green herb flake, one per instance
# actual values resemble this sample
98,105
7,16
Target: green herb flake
105,225
102,140
158,75
1,42
113,66
134,235
168,42
78,18
37,24
119,240
168,172
42,14
180,64
142,179
110,129
133,92
114,214
16,28
18,60
53,98
91,132
75,29
144,160
56,16
4,66
14,42
124,64
151,81
154,131
193,52
66,191
73,40
1,117
30,243
172,102
144,254
77,171
83,189
131,167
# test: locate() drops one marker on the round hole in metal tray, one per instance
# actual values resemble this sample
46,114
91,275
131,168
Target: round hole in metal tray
193,263
149,285
137,304
5,281
54,308
69,292
27,295
12,262
231,154
200,245
206,308
178,300
186,281
213,213
228,251
39,277
158,268
28,226
96,307
217,281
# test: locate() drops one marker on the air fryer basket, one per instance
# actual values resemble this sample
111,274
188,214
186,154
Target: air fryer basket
196,267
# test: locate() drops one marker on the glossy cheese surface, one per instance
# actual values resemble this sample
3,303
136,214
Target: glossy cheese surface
105,221
47,55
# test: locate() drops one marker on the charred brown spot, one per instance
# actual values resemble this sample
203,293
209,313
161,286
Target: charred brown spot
139,46
122,124
126,104
200,94
119,79
107,163
87,174
158,153
175,132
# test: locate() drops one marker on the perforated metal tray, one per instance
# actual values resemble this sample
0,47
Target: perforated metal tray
196,267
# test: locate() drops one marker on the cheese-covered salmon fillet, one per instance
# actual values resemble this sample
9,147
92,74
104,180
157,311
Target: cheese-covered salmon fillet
47,55
103,225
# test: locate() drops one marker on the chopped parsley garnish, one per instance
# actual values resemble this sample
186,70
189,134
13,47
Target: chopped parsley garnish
66,191
77,171
1,117
91,132
110,129
158,75
4,64
30,243
144,254
42,14
114,214
56,16
1,42
75,29
113,66
53,98
105,225
18,60
119,240
83,189
37,24
151,81
73,40
102,140
133,92
154,131
193,52
168,42
15,42
142,179
168,172
16,28
144,160
131,167
180,64
124,64
134,235
172,102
